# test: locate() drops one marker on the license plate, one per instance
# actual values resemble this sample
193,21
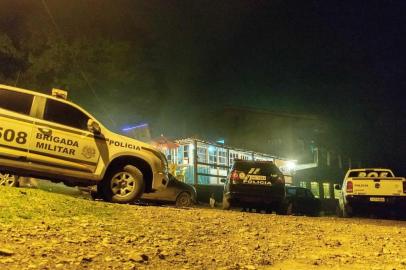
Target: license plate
377,199
257,177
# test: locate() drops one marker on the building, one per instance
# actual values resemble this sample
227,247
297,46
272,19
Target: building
319,147
203,164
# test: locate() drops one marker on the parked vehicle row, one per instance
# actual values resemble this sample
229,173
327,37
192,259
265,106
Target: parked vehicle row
49,137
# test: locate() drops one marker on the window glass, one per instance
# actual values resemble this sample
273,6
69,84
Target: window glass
65,114
314,187
212,155
309,194
301,192
370,173
186,151
326,190
222,157
263,167
291,191
337,193
202,154
303,184
15,101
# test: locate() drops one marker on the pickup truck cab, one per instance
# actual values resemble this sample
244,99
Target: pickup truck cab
365,189
49,137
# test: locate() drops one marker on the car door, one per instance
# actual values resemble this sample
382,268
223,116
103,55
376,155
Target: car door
16,126
311,203
61,138
302,201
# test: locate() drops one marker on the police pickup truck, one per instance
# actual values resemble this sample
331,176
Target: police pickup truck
371,189
49,137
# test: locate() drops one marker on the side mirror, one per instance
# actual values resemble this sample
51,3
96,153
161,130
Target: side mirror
223,180
93,127
337,187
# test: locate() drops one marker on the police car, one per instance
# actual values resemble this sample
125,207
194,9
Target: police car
255,184
367,189
49,137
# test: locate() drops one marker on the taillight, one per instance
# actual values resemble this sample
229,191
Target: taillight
234,177
349,186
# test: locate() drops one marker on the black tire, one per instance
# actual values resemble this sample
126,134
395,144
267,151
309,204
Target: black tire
343,212
285,208
96,195
184,199
123,185
339,211
226,203
9,180
289,209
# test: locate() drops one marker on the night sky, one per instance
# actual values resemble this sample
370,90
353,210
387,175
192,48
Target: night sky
343,60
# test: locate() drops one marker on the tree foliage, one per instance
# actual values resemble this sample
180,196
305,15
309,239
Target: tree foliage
95,70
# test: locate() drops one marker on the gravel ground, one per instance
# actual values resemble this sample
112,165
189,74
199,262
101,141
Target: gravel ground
43,230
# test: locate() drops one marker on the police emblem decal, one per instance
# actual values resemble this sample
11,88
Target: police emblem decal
88,152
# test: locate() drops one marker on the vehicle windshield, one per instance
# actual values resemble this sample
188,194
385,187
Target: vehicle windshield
371,173
256,167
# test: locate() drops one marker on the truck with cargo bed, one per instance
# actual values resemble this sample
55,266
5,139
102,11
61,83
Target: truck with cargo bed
371,189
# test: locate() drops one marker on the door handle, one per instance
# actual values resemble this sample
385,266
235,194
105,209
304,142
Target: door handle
45,131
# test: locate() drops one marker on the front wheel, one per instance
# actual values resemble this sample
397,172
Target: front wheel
123,185
7,179
184,200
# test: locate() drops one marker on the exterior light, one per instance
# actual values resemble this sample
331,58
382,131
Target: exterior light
290,165
134,127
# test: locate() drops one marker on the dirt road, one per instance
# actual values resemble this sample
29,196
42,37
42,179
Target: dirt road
42,230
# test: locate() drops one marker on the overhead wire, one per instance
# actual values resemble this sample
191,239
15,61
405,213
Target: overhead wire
82,73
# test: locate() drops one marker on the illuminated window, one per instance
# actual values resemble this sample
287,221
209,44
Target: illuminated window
233,156
303,184
212,155
337,193
314,187
326,190
222,156
186,151
202,154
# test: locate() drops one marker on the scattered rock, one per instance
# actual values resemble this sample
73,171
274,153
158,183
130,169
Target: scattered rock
6,252
138,257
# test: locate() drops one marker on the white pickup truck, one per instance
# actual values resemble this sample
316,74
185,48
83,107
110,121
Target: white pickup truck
371,189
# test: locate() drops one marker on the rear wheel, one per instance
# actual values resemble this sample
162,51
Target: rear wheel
7,179
184,200
285,208
226,203
343,212
123,185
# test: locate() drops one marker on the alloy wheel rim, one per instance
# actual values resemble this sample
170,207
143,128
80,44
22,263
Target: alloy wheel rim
183,200
123,184
7,179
